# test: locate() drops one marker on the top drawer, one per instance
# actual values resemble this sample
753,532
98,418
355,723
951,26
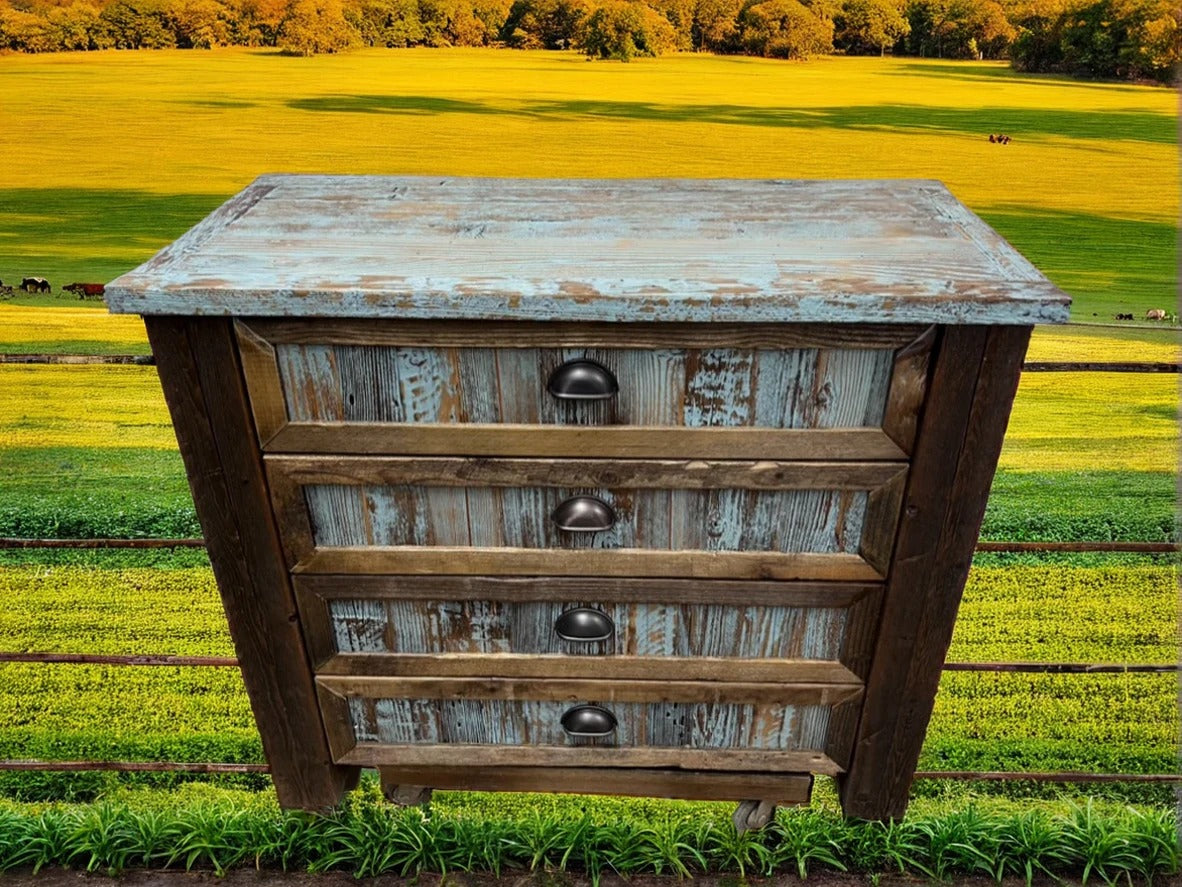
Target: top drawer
775,391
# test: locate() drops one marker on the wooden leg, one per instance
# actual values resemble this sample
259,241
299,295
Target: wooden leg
753,815
203,384
407,795
972,386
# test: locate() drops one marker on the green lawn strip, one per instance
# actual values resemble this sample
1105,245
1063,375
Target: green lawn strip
1034,755
98,743
1085,255
74,492
199,827
1071,506
71,609
106,558
1066,559
75,346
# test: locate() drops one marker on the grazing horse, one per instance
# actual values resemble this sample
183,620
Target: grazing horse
1155,314
85,290
36,285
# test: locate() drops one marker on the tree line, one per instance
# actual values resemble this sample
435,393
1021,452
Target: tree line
1123,39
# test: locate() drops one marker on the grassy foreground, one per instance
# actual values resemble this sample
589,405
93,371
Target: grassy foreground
504,835
1087,189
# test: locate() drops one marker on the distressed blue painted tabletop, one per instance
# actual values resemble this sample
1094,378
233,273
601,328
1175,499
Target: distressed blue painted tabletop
874,251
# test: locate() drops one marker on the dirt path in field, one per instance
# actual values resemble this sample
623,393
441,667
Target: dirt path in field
253,878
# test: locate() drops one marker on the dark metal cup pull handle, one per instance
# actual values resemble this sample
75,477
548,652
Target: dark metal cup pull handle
584,624
583,514
588,720
582,379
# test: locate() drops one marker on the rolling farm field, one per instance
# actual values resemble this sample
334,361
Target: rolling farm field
108,156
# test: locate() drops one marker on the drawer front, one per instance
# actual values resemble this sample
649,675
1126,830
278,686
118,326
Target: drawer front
690,388
673,520
806,391
517,722
555,516
545,627
632,718
523,627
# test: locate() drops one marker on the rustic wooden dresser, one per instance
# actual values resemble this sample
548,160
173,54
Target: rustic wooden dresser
647,487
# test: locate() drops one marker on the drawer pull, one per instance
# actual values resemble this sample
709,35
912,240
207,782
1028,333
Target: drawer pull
588,720
584,624
582,379
583,514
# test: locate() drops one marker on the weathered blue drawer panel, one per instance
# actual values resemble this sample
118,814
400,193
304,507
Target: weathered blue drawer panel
517,722
691,388
673,520
362,625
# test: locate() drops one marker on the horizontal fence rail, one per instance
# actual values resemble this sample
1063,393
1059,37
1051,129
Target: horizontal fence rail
223,768
993,776
1130,547
230,662
1034,366
135,766
1046,366
126,659
1011,547
9,542
79,359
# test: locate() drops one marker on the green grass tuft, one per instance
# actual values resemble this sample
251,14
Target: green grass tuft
208,829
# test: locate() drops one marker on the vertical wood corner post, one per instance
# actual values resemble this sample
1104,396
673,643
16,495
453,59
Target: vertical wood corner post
959,440
203,384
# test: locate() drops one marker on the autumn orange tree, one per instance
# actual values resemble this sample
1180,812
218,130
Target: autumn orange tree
1130,39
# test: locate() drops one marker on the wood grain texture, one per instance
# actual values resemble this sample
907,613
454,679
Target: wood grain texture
861,632
695,474
825,521
338,722
606,250
594,588
603,668
573,690
640,629
445,755
455,334
908,387
804,444
262,382
882,517
203,385
787,789
291,512
973,384
843,724
588,562
536,724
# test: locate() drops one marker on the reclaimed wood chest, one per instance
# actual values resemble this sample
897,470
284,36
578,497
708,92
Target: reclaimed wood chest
646,487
